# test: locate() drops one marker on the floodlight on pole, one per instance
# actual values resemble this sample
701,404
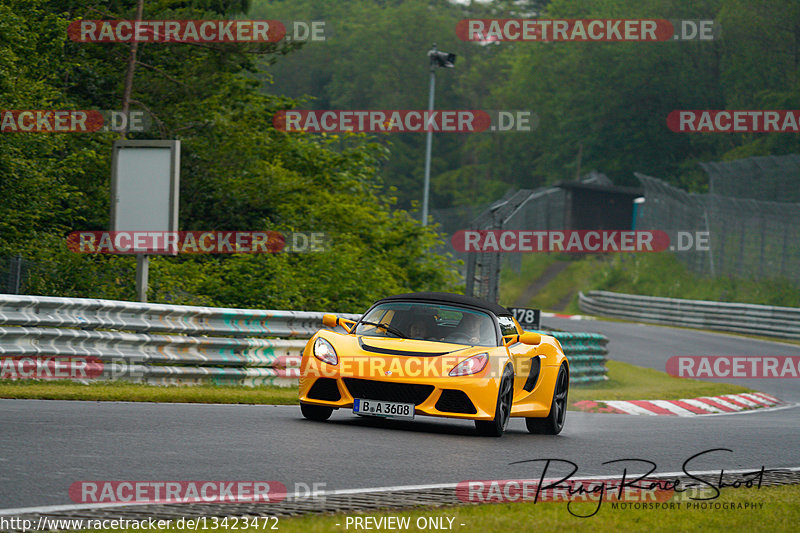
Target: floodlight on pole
444,60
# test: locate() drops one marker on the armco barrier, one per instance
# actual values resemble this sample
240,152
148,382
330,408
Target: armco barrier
766,320
174,344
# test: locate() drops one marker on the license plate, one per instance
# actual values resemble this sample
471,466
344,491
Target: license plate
384,409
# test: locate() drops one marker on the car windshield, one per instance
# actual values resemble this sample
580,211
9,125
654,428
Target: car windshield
430,322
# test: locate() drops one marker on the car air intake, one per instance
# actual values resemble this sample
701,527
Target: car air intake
325,389
388,351
533,374
455,401
388,391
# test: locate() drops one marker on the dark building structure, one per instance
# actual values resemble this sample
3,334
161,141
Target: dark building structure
598,206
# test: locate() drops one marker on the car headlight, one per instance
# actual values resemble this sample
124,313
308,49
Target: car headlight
473,365
323,350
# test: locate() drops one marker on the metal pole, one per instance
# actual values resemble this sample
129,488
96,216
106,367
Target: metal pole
142,272
429,144
472,258
128,87
15,274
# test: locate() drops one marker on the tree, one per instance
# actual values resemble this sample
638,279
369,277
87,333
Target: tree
238,171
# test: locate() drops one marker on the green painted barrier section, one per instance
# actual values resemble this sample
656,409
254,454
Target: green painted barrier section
587,355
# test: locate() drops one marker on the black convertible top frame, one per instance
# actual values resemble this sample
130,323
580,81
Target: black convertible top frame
446,297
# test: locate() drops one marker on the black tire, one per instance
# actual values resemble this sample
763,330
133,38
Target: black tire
319,413
553,423
502,412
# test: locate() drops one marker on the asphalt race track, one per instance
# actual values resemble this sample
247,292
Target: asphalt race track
45,446
651,346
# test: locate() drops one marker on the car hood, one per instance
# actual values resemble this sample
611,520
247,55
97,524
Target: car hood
409,347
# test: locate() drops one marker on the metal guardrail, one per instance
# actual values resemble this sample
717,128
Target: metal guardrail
173,344
163,359
766,320
85,313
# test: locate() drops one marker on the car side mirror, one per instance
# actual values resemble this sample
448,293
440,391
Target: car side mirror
330,320
530,338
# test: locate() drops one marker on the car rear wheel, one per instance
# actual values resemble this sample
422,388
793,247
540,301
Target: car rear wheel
502,413
320,413
553,423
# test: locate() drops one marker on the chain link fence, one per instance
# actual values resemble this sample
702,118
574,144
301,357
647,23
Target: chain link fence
769,178
750,234
13,274
540,209
108,280
453,219
522,209
749,238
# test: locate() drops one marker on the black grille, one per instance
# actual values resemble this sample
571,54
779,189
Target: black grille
367,348
455,401
533,375
388,391
325,389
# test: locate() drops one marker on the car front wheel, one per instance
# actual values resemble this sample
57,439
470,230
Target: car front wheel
553,423
320,413
502,413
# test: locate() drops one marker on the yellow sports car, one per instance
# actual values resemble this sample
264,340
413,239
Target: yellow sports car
436,354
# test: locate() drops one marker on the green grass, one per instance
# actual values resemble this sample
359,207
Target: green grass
132,392
513,284
627,382
651,274
631,382
779,511
664,275
577,274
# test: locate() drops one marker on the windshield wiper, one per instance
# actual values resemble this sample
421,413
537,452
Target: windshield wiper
387,327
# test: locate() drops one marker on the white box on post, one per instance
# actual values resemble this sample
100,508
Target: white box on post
145,181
